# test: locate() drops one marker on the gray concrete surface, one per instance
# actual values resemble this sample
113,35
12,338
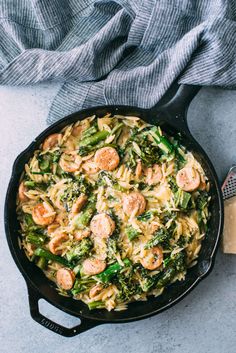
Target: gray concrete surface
204,322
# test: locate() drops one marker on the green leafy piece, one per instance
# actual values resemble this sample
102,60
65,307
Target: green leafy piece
162,141
202,200
166,277
36,239
112,270
182,199
28,220
160,237
144,217
132,233
42,263
51,257
81,250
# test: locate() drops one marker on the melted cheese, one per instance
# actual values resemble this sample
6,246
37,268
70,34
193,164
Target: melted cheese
229,235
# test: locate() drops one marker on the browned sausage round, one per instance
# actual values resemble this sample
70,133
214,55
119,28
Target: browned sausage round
135,201
107,158
93,266
188,179
65,278
102,225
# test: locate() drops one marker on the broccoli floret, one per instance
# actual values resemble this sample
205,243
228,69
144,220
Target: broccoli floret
160,237
81,250
132,233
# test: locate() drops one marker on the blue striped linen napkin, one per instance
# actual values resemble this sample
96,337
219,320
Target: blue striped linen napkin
116,52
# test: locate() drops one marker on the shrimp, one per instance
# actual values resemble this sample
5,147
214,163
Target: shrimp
153,174
43,214
102,225
65,278
107,158
21,192
188,179
134,202
95,290
93,266
90,167
138,170
70,161
78,204
152,259
79,129
51,141
55,243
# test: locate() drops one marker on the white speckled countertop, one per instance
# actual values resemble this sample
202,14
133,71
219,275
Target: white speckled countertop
204,322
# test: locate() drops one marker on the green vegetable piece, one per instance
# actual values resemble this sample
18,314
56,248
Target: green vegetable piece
96,305
166,278
44,165
182,199
35,238
49,256
132,233
144,217
202,200
160,237
90,131
162,142
94,139
81,250
112,270
29,183
84,218
42,263
116,128
82,285
29,220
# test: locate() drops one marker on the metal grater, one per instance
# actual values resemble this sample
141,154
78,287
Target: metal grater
229,185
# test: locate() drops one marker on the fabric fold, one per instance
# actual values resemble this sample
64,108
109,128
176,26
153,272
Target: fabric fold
116,52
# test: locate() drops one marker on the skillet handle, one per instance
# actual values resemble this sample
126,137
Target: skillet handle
85,324
182,99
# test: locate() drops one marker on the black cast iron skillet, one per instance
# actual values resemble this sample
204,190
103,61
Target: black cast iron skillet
172,118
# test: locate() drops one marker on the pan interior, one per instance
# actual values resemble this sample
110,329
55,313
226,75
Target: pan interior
35,277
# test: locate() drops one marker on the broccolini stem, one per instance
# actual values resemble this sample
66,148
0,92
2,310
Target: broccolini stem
112,270
96,305
49,256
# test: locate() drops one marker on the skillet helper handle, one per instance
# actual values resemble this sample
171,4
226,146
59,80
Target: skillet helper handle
182,99
51,325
